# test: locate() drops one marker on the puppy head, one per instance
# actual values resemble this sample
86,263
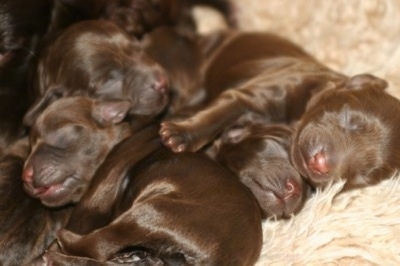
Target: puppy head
258,155
69,140
97,59
342,135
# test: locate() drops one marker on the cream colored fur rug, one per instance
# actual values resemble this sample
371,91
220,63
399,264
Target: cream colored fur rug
361,227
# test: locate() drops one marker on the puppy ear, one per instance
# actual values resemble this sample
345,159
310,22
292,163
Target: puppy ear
110,112
362,81
38,107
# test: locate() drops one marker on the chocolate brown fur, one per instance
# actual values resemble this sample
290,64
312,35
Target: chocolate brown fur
97,59
257,75
69,140
164,211
350,133
259,155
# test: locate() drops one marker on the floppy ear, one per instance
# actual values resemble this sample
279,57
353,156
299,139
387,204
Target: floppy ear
362,81
111,111
40,104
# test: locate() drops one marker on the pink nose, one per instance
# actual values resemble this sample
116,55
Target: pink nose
27,174
292,189
318,163
161,84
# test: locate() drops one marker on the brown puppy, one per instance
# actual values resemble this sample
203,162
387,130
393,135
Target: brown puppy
170,209
257,75
70,139
27,227
97,59
351,132
259,156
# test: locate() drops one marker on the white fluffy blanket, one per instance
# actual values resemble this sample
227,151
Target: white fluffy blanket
361,227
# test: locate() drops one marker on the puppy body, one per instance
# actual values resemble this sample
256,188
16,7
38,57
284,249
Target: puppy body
257,75
174,210
349,133
259,155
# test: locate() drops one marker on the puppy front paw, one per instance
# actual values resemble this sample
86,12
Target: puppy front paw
174,137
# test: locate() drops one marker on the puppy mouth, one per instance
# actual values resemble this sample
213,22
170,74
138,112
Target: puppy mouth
54,195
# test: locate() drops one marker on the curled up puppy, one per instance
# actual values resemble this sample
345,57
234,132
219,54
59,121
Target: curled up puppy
160,206
164,210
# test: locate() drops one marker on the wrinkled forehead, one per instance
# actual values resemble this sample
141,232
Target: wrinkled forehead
331,101
64,112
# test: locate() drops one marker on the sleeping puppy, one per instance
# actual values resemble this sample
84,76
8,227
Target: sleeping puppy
97,59
27,227
169,209
69,140
259,156
350,133
257,75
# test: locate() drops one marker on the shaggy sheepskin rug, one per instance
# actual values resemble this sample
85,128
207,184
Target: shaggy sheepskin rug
360,227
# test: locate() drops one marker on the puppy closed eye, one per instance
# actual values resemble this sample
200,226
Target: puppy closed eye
65,137
352,120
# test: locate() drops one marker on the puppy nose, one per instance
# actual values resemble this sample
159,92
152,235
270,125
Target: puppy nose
27,174
161,83
292,189
318,163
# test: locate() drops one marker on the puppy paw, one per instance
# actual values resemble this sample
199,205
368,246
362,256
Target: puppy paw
174,137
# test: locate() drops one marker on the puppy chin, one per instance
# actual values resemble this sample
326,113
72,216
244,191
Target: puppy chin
61,195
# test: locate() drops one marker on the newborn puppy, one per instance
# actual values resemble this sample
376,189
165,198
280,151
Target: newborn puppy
97,59
350,132
70,139
170,209
259,156
256,75
27,227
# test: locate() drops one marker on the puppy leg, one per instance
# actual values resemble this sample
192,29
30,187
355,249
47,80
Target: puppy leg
200,129
105,243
